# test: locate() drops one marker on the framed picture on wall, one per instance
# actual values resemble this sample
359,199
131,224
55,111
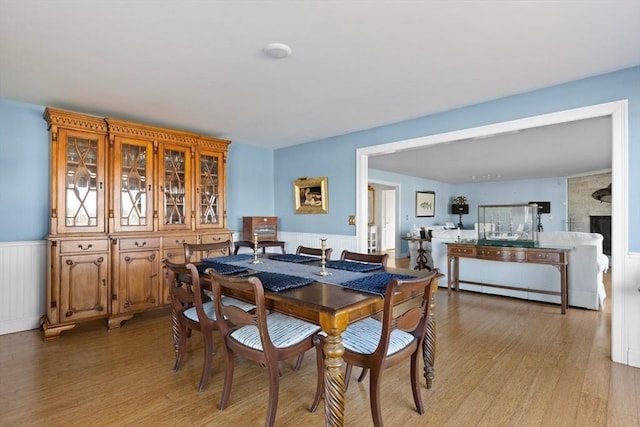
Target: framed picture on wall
425,203
311,196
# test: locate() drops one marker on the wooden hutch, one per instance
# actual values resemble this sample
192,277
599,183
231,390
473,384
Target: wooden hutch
123,196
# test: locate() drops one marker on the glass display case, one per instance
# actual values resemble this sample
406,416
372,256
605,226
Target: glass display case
508,225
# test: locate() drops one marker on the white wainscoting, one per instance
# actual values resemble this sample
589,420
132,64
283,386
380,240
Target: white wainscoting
22,285
292,240
632,309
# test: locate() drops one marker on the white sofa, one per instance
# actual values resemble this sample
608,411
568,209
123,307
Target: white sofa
587,264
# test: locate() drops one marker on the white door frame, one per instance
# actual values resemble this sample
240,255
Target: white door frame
618,110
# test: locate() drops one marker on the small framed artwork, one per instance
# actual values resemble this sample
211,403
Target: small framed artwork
311,196
425,203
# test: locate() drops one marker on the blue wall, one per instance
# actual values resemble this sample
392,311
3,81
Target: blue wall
335,157
25,196
24,172
249,184
552,190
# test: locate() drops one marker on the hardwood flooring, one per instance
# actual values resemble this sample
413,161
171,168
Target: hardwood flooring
499,361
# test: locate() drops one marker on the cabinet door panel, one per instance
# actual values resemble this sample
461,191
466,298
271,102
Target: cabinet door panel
175,187
83,287
81,181
133,183
138,277
210,190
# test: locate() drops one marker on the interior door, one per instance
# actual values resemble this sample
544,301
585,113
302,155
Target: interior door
388,220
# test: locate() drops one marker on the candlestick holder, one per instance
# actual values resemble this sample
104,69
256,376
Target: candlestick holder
255,259
323,258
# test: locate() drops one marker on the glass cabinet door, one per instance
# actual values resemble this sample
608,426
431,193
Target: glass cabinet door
175,173
209,190
81,170
133,207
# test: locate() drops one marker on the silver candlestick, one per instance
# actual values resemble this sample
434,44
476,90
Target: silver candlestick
323,258
255,259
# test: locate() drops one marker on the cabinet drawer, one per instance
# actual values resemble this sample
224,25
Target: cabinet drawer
139,243
175,241
503,254
462,250
70,246
215,238
551,257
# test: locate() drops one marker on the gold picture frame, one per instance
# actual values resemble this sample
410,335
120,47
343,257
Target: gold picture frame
311,196
371,205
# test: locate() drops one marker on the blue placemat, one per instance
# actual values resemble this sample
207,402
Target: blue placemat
375,283
231,258
361,267
219,267
276,282
293,258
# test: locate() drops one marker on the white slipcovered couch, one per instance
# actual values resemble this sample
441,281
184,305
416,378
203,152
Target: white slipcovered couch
587,264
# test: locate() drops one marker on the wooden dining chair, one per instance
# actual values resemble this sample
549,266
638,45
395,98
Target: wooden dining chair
371,258
190,312
262,338
305,250
375,345
205,250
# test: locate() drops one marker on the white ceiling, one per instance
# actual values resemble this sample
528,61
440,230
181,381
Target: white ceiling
199,66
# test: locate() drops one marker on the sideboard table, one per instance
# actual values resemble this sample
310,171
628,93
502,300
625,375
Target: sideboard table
555,256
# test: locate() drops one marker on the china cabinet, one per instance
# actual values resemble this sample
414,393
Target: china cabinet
123,196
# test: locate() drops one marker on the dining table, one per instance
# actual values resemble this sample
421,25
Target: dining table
332,298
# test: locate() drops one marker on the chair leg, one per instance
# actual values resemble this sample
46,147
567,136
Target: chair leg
298,362
374,392
363,374
347,376
208,358
182,344
415,381
318,342
274,388
228,377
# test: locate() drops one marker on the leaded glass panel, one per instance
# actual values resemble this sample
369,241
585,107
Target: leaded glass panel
174,187
81,189
209,193
133,186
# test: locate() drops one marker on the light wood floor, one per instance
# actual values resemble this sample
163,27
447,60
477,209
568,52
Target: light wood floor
499,362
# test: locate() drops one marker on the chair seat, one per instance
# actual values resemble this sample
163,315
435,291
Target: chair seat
285,331
209,309
363,337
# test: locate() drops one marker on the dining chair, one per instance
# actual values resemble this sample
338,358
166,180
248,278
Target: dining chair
190,312
375,345
256,336
371,258
305,250
204,250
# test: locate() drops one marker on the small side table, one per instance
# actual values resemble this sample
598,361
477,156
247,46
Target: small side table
423,262
261,244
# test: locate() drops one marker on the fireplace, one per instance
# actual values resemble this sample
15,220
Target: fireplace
602,224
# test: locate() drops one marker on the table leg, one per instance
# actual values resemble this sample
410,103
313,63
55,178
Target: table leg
429,350
429,342
333,372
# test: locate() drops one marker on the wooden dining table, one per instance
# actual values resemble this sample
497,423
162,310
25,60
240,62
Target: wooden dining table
333,308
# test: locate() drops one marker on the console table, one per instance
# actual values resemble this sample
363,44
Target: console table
261,244
555,256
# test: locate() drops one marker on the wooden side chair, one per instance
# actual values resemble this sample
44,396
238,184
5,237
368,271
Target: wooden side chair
305,250
206,250
262,338
371,258
190,312
375,345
